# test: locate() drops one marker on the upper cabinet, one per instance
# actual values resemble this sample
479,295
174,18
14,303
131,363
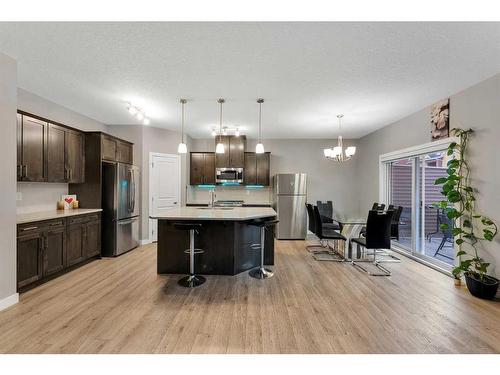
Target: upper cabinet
202,169
32,146
48,152
114,149
257,169
75,156
234,155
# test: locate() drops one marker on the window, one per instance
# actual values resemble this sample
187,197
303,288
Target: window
407,180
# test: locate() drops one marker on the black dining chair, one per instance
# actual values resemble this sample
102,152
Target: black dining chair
323,245
378,236
326,212
327,234
446,233
378,206
395,220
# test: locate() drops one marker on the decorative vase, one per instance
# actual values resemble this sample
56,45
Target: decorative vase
486,289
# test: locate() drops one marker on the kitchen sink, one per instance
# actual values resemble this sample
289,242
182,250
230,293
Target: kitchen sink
215,208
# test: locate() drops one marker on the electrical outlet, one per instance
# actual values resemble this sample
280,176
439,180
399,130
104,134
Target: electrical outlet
19,196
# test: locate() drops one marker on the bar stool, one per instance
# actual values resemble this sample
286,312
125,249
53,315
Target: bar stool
261,272
192,280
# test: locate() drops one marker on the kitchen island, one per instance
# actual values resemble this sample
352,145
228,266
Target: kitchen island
226,239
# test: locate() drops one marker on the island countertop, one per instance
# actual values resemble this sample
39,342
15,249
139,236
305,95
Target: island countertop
215,213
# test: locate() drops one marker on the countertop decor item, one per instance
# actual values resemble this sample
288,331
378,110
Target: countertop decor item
68,201
469,226
338,153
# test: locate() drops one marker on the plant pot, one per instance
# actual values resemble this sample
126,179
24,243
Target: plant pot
486,289
457,281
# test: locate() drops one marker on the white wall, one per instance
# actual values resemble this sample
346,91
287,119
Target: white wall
326,180
8,106
477,107
44,196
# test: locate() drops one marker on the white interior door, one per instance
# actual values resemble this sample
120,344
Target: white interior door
164,186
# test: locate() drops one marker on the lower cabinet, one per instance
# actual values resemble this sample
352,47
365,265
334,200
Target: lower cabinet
74,244
47,248
54,254
29,258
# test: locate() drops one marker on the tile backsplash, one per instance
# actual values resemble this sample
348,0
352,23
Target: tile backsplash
197,195
41,196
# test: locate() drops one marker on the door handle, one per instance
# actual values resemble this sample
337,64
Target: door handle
28,228
126,222
19,171
24,172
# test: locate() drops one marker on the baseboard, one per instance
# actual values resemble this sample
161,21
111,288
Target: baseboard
9,301
145,242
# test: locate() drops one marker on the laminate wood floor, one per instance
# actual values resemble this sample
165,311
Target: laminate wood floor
122,306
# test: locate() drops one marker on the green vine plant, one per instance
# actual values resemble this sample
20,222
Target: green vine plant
469,227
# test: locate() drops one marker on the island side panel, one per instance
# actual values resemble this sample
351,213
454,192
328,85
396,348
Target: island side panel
246,258
216,239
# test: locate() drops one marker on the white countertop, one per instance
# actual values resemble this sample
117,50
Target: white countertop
54,214
216,213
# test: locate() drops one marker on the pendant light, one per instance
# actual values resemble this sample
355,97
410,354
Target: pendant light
182,149
338,153
259,148
219,149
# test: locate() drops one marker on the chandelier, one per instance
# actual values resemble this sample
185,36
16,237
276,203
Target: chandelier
338,153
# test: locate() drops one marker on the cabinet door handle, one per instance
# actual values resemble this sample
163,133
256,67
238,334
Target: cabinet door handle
28,228
25,171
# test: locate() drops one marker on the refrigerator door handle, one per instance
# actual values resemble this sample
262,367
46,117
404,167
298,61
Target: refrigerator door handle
126,222
132,174
129,191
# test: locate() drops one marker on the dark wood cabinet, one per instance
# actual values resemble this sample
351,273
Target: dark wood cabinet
237,151
222,160
75,156
19,146
56,153
33,146
257,168
250,169
124,152
29,257
108,148
74,244
54,254
48,248
48,152
209,168
263,168
202,170
92,239
234,155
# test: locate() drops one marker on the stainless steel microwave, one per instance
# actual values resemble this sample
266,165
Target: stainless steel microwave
228,175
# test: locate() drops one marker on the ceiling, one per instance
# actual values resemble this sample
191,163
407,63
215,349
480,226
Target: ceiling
373,73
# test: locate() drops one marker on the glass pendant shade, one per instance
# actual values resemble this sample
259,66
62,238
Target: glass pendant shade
219,149
182,148
350,151
259,148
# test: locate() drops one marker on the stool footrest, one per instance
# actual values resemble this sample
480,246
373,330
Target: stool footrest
196,251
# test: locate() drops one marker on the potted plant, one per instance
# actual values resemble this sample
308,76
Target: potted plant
469,227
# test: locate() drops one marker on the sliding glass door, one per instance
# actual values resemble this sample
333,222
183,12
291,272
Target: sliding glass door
409,182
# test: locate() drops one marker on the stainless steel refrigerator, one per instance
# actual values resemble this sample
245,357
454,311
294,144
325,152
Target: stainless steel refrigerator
120,203
290,196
